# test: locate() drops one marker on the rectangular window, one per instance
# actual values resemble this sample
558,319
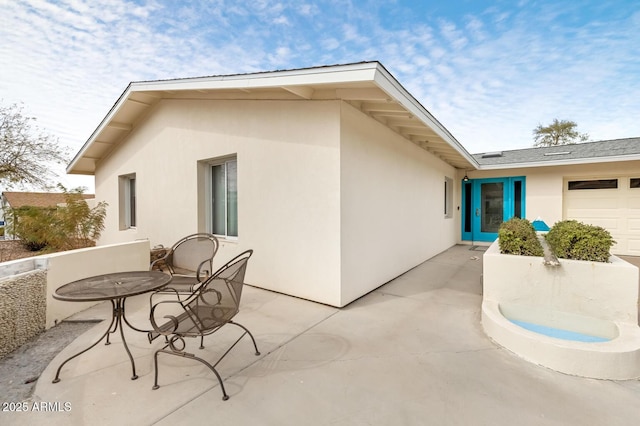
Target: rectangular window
634,183
448,197
127,196
593,184
224,198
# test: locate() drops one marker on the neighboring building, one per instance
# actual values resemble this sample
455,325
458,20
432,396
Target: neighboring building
336,176
16,200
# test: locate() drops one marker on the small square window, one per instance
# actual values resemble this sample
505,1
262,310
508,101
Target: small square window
634,183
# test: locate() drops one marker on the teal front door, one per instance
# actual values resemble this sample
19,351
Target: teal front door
486,203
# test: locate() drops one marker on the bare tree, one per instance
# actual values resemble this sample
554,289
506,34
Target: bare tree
26,152
560,132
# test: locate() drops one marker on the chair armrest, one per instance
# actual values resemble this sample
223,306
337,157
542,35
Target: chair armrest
170,326
163,291
162,260
204,263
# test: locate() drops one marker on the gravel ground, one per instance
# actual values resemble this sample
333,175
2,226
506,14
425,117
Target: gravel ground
20,369
13,249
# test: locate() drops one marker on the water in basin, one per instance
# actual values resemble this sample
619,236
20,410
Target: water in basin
559,333
560,325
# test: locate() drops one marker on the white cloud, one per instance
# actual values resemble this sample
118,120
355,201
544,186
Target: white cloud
490,77
308,9
281,20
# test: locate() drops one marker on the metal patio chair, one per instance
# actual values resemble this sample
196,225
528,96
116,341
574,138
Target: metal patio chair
189,261
211,306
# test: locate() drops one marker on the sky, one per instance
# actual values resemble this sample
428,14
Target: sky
489,71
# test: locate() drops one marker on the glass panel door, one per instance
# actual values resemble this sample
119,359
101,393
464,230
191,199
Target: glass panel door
491,209
486,203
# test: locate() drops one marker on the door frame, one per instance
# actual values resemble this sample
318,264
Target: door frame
513,204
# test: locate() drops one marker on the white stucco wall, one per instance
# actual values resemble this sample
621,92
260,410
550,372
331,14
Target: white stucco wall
68,266
392,199
288,185
333,203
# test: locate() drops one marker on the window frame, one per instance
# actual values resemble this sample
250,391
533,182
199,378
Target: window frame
128,201
448,197
209,197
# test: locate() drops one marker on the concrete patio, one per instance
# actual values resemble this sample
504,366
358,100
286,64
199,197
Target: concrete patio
411,352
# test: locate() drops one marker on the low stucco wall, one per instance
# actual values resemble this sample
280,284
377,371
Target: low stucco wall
598,299
608,291
22,308
73,265
27,306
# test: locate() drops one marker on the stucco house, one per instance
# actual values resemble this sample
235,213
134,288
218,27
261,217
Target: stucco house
336,176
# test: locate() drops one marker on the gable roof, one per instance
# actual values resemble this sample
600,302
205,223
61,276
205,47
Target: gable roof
36,199
367,86
589,152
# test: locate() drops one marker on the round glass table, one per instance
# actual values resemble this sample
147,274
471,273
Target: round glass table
115,287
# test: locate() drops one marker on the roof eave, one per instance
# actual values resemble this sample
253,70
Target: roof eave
358,73
389,84
104,123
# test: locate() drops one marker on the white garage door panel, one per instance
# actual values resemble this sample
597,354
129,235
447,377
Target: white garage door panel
586,202
598,214
610,224
617,210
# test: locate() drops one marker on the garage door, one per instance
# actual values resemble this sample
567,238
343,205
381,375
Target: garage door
610,202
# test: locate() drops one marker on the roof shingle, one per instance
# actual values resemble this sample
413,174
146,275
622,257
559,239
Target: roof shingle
36,199
571,153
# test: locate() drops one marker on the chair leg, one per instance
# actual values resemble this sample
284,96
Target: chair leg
224,392
250,335
191,356
155,369
211,367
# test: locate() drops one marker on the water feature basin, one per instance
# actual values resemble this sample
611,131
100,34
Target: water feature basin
560,325
616,354
582,300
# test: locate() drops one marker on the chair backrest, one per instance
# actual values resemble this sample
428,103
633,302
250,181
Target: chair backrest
193,253
217,300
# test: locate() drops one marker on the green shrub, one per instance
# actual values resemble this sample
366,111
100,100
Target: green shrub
517,236
32,225
76,225
570,239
